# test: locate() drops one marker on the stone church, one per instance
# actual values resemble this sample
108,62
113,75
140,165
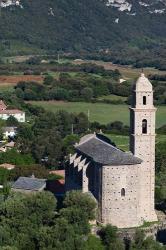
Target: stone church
121,182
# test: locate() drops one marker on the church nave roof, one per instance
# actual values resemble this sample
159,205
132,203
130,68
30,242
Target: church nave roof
100,150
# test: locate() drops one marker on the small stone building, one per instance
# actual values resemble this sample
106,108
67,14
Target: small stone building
29,185
121,182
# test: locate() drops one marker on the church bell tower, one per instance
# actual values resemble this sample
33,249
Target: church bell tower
142,144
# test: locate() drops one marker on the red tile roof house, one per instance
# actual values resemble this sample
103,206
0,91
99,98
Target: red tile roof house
6,113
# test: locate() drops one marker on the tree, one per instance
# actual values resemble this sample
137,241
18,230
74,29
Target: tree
110,238
22,216
81,123
93,243
12,156
4,174
48,80
78,209
138,239
140,243
87,94
47,149
12,121
82,201
69,142
27,171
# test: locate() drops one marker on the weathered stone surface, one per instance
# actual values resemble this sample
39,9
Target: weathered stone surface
122,183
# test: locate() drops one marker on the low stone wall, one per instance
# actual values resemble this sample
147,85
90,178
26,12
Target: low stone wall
150,231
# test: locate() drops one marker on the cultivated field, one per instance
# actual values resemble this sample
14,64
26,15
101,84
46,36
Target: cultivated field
127,71
14,79
101,112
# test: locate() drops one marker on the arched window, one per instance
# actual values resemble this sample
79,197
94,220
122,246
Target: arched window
122,192
144,100
144,126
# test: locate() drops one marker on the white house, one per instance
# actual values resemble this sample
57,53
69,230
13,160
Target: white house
6,113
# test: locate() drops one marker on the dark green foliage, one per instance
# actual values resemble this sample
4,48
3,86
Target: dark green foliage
4,175
76,199
21,217
12,122
81,86
78,209
140,243
93,243
116,127
31,222
110,238
48,79
87,94
161,130
27,171
84,27
69,142
161,156
49,139
14,157
160,191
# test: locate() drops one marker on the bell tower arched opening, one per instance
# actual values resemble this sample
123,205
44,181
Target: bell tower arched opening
144,100
123,192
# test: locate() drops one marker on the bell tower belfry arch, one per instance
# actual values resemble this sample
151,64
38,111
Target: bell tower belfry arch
142,144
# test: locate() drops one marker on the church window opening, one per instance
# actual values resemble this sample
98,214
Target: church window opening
144,126
144,100
123,192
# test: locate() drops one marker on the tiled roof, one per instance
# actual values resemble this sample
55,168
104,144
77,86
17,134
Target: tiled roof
10,144
100,151
27,183
11,111
2,105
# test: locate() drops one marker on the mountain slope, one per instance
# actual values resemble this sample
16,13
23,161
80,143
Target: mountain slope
74,25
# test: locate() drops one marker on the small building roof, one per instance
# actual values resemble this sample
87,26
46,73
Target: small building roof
101,151
7,166
29,183
10,144
11,111
2,105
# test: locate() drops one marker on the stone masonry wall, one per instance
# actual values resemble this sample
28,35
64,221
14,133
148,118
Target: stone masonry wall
118,210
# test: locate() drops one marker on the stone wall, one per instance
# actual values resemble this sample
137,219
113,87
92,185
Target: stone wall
121,209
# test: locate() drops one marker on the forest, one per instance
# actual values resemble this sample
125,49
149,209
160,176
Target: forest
31,222
86,29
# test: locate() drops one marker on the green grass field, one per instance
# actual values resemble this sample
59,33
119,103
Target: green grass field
100,112
113,98
122,141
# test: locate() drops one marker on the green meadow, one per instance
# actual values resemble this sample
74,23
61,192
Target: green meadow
100,112
122,141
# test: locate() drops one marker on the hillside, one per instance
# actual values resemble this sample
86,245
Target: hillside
125,27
